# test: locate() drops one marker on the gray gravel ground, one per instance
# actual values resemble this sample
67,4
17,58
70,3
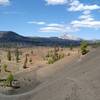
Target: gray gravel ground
78,80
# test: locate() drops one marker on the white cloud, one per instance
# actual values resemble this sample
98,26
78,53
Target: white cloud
4,2
60,28
37,22
86,21
56,2
51,29
75,5
86,24
55,25
87,12
86,16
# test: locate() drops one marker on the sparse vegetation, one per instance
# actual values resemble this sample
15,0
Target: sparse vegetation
30,61
54,55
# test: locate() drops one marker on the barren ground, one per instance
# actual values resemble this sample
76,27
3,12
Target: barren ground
36,73
74,79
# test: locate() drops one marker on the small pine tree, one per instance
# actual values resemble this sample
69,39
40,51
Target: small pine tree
30,60
5,68
84,47
9,55
32,53
17,55
25,62
56,55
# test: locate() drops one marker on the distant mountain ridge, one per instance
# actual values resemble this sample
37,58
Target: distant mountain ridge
9,38
5,34
11,35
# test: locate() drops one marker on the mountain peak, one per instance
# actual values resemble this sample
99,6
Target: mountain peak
9,34
69,37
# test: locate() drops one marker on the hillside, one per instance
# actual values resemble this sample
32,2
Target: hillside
78,80
10,34
9,38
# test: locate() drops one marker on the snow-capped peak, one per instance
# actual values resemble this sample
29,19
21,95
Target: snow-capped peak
69,37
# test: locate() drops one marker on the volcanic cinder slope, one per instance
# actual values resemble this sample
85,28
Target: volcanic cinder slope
79,80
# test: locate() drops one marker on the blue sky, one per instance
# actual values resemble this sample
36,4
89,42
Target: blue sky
80,18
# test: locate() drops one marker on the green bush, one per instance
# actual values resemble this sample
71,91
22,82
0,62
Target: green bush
50,60
9,80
